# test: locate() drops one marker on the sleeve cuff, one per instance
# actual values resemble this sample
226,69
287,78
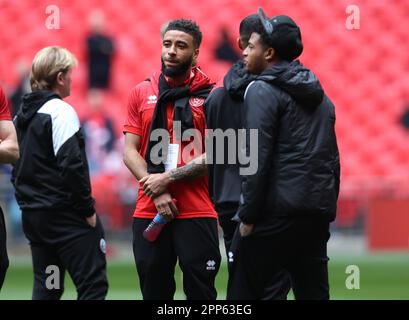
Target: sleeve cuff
133,130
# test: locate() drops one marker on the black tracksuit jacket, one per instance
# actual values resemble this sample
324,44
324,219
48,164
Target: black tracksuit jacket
298,164
224,110
52,172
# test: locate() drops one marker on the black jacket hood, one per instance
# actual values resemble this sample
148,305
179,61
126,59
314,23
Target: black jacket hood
298,81
32,102
237,80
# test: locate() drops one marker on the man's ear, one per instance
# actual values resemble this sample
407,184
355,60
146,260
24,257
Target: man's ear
239,44
269,54
60,78
195,55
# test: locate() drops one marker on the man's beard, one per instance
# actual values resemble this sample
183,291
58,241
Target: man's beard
177,71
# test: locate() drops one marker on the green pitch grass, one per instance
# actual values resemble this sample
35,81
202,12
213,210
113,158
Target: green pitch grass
382,276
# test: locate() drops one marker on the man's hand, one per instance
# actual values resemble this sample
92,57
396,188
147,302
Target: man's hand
245,229
92,221
155,184
165,206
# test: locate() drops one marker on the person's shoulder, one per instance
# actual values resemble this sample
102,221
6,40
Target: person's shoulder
146,86
139,88
259,84
143,85
260,88
263,96
56,104
59,110
218,89
139,93
216,97
218,86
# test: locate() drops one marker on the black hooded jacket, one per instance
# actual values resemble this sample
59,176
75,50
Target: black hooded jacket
52,172
224,111
297,159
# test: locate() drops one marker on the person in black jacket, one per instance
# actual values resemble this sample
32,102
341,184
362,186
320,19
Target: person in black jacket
287,205
224,111
52,185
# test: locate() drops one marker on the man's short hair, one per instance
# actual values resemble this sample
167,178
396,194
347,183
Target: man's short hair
187,26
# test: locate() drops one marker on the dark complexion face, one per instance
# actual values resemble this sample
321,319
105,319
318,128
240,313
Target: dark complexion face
256,56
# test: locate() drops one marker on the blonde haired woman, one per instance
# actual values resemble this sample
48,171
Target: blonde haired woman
53,186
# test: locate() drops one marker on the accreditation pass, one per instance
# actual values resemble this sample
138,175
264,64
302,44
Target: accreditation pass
172,158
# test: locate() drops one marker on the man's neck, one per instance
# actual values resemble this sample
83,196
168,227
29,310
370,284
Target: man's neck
271,64
59,92
180,80
274,62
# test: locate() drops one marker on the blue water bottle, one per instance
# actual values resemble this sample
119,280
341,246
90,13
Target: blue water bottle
152,232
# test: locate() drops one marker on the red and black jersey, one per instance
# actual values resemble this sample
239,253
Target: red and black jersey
192,197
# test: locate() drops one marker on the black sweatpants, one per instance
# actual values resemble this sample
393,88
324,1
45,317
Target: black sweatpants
300,250
64,241
280,283
4,259
194,242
